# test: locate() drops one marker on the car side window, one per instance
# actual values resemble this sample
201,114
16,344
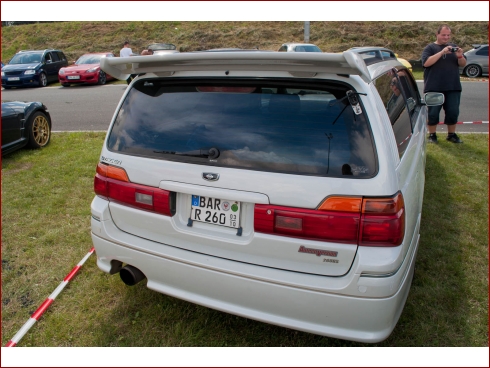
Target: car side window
387,55
47,57
391,92
283,49
61,56
412,96
55,57
483,51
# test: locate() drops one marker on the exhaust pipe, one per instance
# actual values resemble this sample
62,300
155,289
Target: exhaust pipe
131,275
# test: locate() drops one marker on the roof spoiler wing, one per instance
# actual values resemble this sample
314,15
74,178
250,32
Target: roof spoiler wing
300,64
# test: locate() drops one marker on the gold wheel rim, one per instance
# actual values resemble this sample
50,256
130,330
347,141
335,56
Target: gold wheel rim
40,130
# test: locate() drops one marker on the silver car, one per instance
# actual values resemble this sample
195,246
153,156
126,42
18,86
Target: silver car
299,47
281,187
477,62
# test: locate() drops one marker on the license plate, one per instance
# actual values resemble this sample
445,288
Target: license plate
14,78
215,211
73,77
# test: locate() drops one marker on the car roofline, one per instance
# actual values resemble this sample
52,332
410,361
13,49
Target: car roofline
298,64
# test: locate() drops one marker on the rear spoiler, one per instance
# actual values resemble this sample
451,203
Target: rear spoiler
298,64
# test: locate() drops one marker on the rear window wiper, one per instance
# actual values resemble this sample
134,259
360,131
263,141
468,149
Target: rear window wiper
204,153
194,153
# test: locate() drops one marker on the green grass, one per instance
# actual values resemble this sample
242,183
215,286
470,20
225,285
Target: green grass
46,197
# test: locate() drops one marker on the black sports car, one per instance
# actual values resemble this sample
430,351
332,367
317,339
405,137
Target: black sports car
24,124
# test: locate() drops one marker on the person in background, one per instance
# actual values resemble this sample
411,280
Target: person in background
147,52
126,52
441,61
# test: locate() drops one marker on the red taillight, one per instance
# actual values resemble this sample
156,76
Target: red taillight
367,222
112,183
383,221
342,227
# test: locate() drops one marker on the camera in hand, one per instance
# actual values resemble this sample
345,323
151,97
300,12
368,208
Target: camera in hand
454,49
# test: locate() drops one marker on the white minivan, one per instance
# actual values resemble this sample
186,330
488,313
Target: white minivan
281,187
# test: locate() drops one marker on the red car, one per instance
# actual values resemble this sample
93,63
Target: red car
85,70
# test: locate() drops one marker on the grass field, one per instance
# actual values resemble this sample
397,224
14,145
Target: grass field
407,38
46,197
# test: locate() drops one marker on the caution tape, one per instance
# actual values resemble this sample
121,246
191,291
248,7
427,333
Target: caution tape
45,305
468,122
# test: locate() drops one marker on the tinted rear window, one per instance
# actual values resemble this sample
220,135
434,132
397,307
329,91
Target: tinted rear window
276,126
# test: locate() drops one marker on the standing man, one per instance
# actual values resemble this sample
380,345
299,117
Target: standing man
441,61
126,52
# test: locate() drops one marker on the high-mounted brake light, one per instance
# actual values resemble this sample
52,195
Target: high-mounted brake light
353,220
226,89
112,183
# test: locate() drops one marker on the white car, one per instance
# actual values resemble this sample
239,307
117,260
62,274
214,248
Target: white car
273,186
299,47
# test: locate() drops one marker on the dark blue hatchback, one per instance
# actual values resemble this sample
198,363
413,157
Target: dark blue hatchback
33,68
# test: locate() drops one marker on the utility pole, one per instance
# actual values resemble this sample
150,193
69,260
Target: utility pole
307,32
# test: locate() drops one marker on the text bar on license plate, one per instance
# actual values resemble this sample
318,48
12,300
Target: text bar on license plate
215,211
73,77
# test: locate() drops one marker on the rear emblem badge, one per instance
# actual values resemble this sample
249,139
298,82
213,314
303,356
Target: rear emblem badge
318,252
210,176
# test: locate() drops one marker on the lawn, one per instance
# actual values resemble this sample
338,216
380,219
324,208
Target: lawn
46,197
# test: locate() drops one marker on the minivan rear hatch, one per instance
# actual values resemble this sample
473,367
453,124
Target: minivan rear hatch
261,171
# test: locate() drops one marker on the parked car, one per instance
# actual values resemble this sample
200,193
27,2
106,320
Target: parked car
86,70
373,54
24,124
162,48
33,68
476,62
281,187
299,47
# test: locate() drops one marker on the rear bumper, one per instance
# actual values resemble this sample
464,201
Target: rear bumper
278,297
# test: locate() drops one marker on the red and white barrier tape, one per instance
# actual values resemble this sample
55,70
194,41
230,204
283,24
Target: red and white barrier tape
39,312
468,122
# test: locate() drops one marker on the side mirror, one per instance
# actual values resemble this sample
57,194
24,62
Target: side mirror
48,61
433,99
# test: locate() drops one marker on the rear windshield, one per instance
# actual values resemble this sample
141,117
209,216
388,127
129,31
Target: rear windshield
266,125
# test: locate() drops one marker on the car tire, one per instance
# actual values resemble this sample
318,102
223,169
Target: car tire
102,78
39,130
43,80
472,71
65,84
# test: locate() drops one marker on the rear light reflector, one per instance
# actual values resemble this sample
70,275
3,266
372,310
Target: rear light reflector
112,183
352,220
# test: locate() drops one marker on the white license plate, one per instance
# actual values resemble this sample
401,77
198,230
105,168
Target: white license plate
14,78
215,211
73,77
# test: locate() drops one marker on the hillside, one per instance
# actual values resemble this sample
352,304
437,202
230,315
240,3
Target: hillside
76,38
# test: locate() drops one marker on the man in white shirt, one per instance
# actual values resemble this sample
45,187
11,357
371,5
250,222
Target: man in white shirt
126,50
